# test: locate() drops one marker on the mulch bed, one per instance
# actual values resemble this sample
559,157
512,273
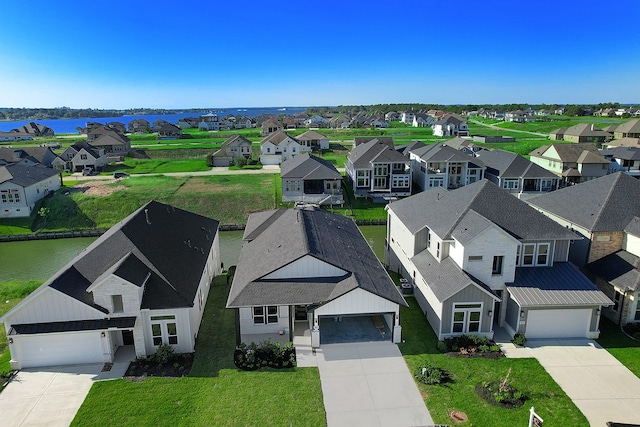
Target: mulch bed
493,355
178,366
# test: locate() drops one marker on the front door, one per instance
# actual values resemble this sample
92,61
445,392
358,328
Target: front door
164,330
301,312
127,337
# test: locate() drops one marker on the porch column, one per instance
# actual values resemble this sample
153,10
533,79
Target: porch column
315,332
397,329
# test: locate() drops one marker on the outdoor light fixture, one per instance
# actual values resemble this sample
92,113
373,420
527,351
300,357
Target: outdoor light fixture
597,311
102,334
10,340
489,313
522,314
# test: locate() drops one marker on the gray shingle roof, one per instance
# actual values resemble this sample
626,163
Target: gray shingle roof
25,176
632,126
307,166
441,211
506,164
364,155
625,153
621,269
443,153
169,244
607,203
560,285
445,278
278,238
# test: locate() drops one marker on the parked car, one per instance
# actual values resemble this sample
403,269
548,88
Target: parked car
87,171
118,175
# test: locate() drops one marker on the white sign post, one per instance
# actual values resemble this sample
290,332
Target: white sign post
534,419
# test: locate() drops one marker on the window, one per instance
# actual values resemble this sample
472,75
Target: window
617,301
164,329
475,257
362,178
116,301
10,196
637,315
466,318
83,156
381,170
438,250
380,182
428,239
436,182
529,251
268,149
401,181
533,254
265,315
496,269
543,254
510,184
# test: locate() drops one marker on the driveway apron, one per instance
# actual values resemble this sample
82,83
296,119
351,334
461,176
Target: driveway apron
599,385
369,384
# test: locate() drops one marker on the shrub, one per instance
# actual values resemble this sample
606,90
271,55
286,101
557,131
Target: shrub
431,375
240,162
164,353
519,339
265,354
501,393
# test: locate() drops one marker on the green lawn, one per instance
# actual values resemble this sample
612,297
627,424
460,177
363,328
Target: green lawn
527,375
215,393
623,348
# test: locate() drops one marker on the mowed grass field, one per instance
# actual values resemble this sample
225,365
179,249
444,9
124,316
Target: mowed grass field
227,198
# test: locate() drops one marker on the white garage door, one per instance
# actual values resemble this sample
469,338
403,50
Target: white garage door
567,323
57,349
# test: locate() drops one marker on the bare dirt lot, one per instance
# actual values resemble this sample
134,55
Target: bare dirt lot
97,188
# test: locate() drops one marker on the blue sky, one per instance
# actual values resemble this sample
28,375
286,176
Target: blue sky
198,54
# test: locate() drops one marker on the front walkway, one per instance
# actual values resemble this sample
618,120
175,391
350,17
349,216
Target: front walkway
369,384
599,385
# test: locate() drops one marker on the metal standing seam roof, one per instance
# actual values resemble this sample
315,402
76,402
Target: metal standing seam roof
557,286
286,235
75,325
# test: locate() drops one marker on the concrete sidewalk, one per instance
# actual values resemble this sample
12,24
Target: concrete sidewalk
369,384
599,385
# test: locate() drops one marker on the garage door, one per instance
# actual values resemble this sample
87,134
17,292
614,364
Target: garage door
57,349
558,323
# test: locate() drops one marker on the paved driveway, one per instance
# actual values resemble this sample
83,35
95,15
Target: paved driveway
369,384
600,386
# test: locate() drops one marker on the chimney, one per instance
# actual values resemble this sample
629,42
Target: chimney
146,214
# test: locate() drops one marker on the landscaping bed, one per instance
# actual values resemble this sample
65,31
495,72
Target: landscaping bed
471,346
164,363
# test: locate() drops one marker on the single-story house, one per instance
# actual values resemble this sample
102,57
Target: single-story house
310,179
143,283
315,269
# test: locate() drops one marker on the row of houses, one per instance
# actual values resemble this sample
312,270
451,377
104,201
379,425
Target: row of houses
476,259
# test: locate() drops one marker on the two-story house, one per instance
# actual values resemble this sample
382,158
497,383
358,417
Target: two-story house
143,283
573,163
630,129
22,186
278,147
378,171
625,159
606,212
83,155
314,140
439,165
310,179
515,174
479,258
115,144
234,147
451,125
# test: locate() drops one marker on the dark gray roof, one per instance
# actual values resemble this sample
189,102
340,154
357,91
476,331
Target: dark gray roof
441,211
404,149
560,285
75,325
621,269
364,155
25,176
168,245
505,164
458,143
625,153
358,140
278,238
607,203
307,166
446,278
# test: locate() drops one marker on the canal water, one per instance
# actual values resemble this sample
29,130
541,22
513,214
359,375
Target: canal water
39,259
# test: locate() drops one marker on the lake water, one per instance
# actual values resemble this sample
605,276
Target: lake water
61,126
39,259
